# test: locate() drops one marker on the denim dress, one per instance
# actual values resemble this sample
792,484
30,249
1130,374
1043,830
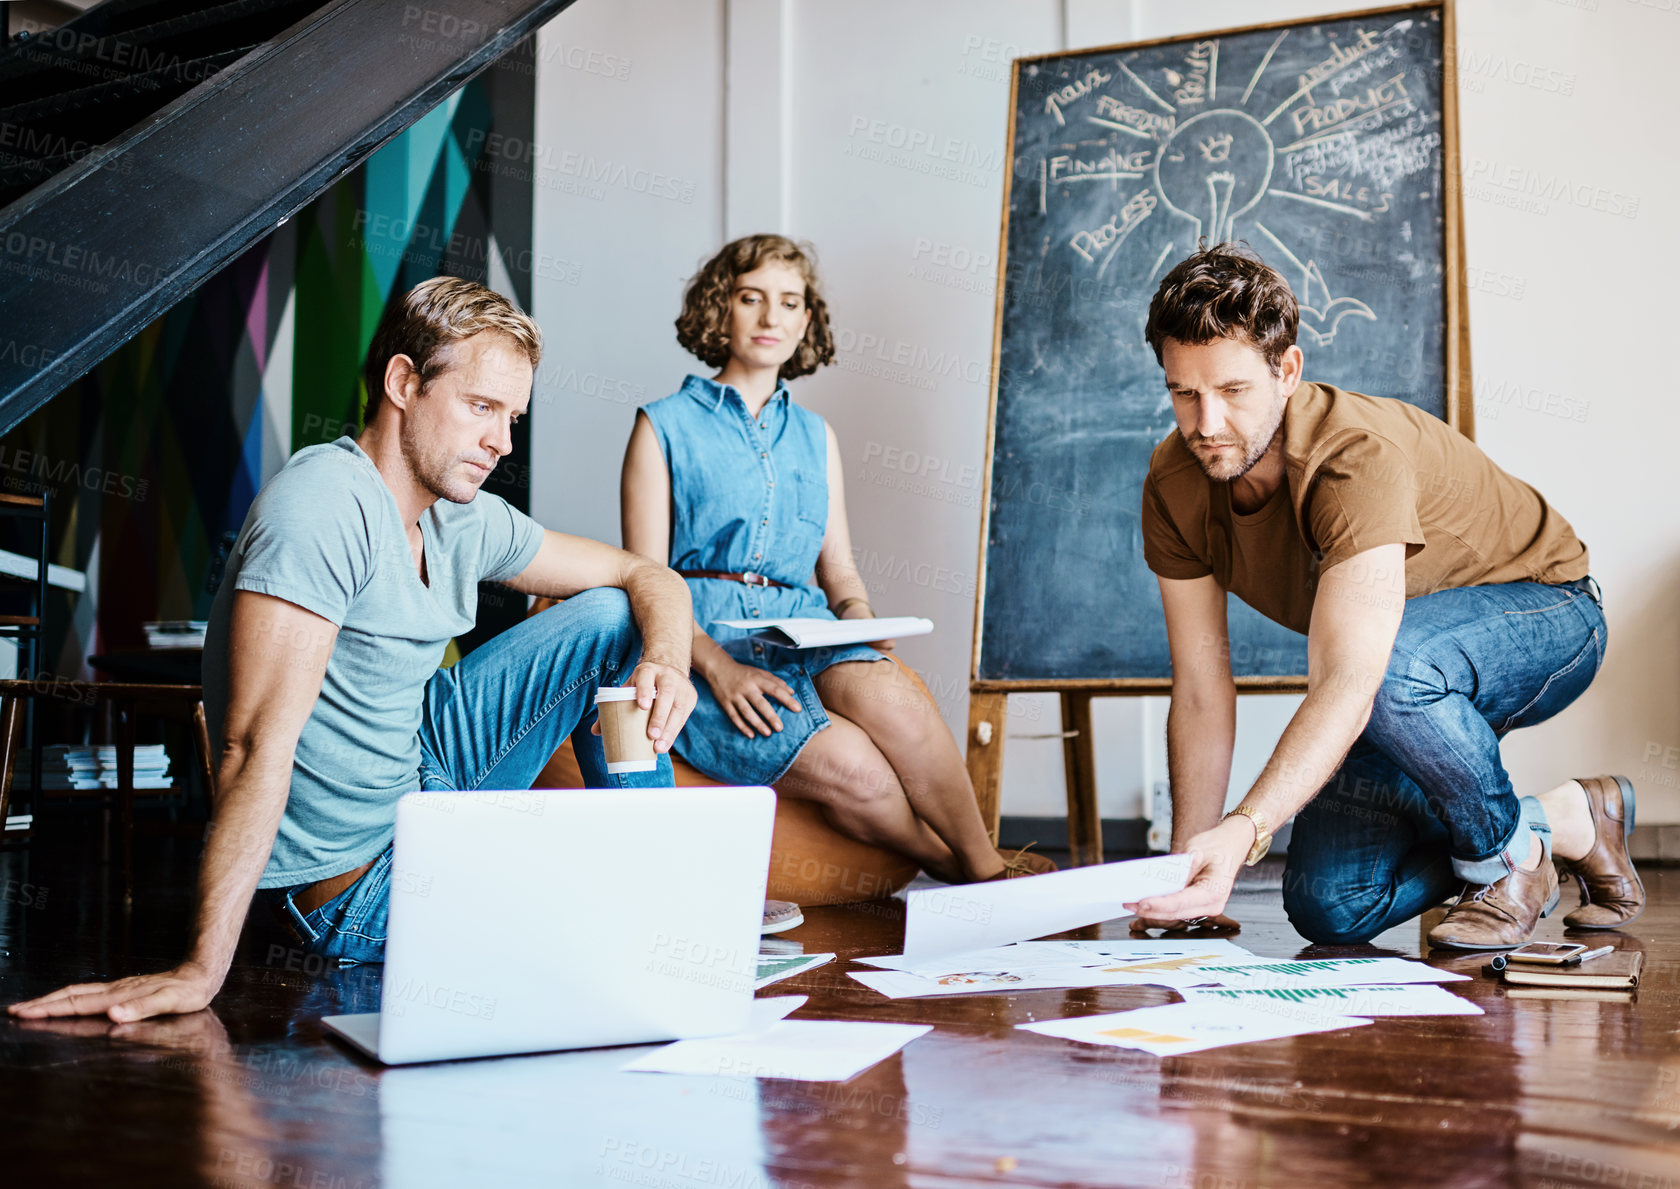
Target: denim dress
749,496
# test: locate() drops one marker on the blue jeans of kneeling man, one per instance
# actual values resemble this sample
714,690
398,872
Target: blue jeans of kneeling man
1422,802
491,722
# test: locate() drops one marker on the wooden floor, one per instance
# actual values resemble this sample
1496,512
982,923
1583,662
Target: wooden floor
252,1094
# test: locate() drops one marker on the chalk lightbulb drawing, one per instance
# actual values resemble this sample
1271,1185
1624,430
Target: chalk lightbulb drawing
1214,163
1214,167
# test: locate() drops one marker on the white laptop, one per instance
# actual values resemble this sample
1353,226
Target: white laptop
534,920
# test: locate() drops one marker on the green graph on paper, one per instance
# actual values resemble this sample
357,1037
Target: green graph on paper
1310,967
1293,994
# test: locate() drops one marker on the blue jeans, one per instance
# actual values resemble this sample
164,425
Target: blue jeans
1422,803
491,722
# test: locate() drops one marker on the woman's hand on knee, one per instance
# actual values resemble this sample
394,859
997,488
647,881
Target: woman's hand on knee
744,692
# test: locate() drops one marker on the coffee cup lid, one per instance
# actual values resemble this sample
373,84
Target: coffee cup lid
615,693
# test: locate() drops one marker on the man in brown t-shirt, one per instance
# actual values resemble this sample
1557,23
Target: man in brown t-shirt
1444,602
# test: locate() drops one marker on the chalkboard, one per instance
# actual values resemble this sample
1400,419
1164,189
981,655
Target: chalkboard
1320,144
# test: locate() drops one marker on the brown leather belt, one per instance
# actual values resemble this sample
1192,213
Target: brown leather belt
322,890
749,578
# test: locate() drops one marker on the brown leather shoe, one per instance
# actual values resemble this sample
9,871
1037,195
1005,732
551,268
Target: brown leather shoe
1499,916
1018,863
1612,893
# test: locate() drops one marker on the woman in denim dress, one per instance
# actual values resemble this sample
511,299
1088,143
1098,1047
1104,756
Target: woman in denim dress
739,489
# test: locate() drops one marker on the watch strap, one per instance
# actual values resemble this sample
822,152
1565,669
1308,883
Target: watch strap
1262,833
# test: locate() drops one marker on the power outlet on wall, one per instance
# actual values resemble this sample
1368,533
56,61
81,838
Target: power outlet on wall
1160,818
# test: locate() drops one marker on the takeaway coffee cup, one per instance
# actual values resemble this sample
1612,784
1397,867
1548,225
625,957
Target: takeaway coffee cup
624,727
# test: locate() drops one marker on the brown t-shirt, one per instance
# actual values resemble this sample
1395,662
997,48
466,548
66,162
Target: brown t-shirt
1360,471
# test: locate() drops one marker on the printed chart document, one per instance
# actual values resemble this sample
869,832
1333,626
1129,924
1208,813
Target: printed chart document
1185,1027
1017,956
773,968
1038,965
1165,963
1323,972
830,633
1150,949
1186,966
1022,956
800,1050
896,984
1407,999
965,917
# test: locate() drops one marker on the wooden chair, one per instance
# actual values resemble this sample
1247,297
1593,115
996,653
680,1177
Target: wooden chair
126,702
811,863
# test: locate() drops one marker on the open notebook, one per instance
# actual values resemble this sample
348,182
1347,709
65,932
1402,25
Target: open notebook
830,633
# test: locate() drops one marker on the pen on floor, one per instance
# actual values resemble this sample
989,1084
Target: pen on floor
1590,955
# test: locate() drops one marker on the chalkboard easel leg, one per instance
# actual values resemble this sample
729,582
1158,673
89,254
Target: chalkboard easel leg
986,714
1079,759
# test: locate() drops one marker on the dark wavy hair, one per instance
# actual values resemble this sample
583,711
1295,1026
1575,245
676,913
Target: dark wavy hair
703,325
1223,292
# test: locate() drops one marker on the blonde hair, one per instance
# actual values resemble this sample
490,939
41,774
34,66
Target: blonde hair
432,317
703,325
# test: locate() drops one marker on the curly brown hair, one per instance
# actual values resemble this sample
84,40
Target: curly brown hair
1221,292
703,325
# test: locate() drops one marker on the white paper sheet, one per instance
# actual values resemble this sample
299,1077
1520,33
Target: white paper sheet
773,968
772,1010
966,917
1039,965
800,1050
1017,956
1151,948
1022,956
1185,1027
830,633
896,984
1409,999
1324,972
1167,963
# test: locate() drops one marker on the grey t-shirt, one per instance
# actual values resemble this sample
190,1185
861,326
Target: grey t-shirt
326,535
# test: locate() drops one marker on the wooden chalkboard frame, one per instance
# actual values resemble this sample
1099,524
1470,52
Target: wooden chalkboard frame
987,696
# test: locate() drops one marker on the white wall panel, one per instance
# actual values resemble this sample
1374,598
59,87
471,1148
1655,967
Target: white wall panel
882,124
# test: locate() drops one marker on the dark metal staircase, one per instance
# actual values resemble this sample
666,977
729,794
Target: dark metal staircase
65,93
147,143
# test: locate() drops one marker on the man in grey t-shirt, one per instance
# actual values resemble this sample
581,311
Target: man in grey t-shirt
357,564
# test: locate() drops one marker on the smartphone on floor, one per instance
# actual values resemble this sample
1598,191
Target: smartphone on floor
1546,953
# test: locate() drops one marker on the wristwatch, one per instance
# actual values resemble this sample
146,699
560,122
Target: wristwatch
1262,833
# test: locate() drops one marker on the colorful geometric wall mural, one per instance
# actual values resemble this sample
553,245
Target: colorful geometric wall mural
153,458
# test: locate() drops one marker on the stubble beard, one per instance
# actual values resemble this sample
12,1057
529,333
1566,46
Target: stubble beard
435,470
1253,449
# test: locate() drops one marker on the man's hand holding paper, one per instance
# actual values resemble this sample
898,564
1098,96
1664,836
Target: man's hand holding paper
962,918
1215,857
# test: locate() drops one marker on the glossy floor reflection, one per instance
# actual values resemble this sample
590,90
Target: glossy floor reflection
253,1094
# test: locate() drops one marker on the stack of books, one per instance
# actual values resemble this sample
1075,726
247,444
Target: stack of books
175,633
81,766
